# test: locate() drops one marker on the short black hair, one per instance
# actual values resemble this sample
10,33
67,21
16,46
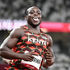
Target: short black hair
26,10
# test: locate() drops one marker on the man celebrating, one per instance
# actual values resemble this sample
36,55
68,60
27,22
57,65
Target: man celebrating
28,47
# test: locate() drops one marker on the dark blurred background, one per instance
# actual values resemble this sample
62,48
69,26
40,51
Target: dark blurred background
53,11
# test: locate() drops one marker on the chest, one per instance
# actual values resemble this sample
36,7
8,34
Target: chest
33,42
37,39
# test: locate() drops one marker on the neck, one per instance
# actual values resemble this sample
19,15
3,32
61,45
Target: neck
34,29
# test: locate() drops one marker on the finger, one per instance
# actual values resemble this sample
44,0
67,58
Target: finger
49,60
31,52
34,53
29,59
47,52
50,55
31,56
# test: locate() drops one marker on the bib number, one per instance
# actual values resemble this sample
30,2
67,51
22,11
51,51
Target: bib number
35,64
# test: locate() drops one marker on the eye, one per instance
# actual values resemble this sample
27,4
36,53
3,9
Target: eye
31,12
39,12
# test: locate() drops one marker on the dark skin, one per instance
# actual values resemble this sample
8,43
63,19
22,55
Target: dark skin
10,42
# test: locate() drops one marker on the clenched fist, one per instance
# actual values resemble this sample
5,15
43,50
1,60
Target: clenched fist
49,57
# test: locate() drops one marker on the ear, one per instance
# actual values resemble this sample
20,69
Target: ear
26,17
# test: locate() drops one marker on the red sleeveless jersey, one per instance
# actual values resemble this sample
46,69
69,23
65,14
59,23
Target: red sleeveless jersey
29,42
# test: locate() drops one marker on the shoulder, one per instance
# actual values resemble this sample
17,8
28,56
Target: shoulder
50,39
43,30
48,36
16,32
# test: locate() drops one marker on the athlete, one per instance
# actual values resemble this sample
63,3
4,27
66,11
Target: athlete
28,47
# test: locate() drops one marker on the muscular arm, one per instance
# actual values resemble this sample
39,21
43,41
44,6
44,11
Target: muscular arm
8,44
49,59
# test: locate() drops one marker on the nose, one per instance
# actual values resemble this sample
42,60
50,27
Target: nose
35,14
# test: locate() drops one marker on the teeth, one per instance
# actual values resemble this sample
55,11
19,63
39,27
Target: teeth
36,19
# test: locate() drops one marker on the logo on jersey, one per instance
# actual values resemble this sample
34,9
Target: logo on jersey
37,40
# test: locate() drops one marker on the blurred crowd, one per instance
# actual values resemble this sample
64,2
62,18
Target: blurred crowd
62,61
56,10
52,10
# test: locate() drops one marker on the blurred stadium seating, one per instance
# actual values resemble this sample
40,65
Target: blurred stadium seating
52,10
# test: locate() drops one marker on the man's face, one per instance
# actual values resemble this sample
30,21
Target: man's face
34,16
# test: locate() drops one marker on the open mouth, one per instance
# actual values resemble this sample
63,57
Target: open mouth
36,19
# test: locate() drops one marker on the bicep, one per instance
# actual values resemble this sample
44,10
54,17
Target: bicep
50,41
12,39
49,47
50,44
9,42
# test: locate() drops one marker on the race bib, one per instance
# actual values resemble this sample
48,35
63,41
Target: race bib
35,64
